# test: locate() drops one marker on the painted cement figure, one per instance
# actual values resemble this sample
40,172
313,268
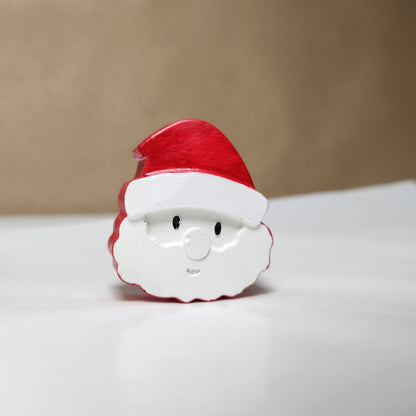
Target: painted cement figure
190,224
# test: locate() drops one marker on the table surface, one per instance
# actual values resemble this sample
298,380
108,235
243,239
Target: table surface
329,329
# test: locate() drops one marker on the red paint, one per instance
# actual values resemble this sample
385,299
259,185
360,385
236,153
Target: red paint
191,145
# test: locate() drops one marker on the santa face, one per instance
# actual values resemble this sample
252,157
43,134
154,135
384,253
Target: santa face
191,254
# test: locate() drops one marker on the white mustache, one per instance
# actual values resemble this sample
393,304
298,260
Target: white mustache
179,244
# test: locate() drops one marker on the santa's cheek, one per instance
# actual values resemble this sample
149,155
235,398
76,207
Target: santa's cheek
226,241
165,234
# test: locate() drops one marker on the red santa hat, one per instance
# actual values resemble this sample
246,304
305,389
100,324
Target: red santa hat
190,164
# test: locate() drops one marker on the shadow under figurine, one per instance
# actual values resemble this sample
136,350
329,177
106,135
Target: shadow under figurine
190,223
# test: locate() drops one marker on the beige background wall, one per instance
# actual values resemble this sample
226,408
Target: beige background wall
314,95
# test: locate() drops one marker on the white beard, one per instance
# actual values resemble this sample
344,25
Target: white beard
162,269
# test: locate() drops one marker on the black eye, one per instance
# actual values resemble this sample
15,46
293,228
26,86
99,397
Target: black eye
176,222
218,228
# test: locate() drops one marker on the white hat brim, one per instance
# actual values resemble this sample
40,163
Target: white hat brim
194,190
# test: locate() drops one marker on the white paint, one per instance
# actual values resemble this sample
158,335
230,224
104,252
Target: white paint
191,262
195,190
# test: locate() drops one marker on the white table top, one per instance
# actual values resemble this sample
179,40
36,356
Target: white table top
329,329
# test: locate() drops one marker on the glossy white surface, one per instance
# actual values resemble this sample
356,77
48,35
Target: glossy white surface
193,190
329,329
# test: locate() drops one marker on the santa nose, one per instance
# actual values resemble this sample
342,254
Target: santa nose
197,244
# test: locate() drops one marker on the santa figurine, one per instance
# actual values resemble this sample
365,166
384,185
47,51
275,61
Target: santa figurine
190,223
